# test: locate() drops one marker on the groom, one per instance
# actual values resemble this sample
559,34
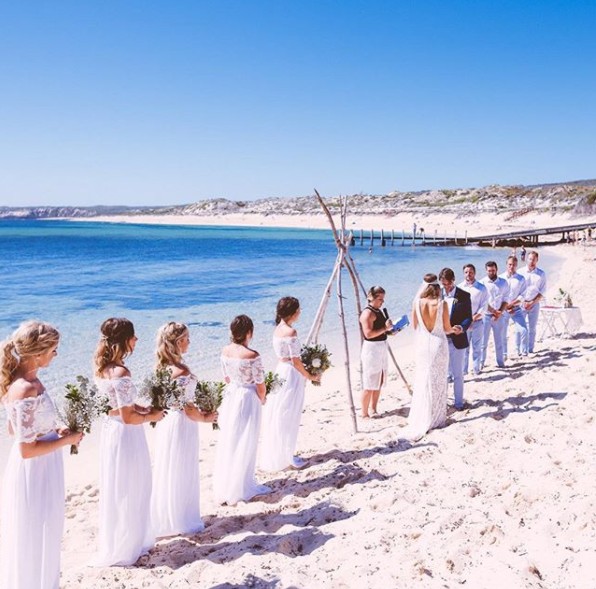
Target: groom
460,313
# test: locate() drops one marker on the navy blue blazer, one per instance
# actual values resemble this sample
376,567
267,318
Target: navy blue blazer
461,314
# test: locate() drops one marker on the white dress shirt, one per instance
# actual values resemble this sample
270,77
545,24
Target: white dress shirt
448,298
535,283
517,286
478,295
498,291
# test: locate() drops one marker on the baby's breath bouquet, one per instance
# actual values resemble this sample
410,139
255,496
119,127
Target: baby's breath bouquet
161,391
82,405
273,382
315,359
208,397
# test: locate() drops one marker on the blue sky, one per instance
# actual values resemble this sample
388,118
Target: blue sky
142,103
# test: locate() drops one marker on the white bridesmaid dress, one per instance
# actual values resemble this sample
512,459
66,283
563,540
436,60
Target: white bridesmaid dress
283,410
125,531
175,507
32,500
239,421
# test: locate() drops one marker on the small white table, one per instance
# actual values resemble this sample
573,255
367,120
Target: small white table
560,321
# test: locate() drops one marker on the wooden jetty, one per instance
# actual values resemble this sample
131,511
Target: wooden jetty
528,237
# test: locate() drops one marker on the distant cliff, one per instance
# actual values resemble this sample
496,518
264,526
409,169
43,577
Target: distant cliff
578,197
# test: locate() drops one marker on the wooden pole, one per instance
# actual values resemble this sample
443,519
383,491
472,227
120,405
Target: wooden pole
313,334
340,301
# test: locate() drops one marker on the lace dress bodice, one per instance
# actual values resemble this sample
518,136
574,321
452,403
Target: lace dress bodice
286,347
243,371
120,392
32,417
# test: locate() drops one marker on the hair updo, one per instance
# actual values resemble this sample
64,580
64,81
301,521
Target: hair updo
30,339
168,339
114,343
240,327
286,307
433,290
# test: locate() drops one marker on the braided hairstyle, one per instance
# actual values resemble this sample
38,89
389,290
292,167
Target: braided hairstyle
168,338
30,339
114,343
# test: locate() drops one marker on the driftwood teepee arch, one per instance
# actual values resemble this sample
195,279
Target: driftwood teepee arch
343,260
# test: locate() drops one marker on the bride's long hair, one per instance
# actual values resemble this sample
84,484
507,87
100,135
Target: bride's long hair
433,289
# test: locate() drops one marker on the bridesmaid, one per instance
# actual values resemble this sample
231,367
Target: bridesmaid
33,485
175,507
125,470
239,418
281,416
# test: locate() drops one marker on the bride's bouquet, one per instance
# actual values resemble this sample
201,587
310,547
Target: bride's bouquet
208,397
161,391
81,407
315,359
273,382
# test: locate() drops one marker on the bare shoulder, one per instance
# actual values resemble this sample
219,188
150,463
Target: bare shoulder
285,331
22,389
116,371
178,371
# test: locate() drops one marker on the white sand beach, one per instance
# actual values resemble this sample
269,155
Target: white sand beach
501,497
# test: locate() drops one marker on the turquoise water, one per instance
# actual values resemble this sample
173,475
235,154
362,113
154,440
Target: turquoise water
76,274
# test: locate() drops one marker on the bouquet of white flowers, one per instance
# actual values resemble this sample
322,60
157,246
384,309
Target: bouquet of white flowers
162,391
208,397
82,406
315,359
273,382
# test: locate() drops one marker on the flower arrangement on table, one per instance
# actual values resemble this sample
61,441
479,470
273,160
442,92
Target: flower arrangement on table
315,359
208,397
161,391
273,382
564,298
82,406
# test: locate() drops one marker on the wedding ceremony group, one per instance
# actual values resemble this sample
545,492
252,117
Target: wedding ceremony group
453,326
138,501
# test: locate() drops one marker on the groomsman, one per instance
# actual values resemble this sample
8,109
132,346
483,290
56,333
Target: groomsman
514,310
535,289
460,313
479,299
494,317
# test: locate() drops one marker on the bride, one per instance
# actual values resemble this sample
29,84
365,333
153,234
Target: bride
430,319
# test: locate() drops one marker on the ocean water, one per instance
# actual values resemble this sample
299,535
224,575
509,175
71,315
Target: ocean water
76,274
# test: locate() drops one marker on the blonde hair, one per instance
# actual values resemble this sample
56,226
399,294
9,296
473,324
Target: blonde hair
113,345
30,339
168,338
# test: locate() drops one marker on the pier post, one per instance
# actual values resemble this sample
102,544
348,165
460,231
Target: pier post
466,237
403,237
392,236
361,237
382,238
435,238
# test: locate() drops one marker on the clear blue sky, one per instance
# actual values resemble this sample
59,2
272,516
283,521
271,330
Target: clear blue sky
141,102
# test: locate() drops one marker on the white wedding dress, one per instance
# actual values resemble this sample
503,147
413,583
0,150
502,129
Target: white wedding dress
32,500
282,412
429,400
125,531
175,507
239,422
